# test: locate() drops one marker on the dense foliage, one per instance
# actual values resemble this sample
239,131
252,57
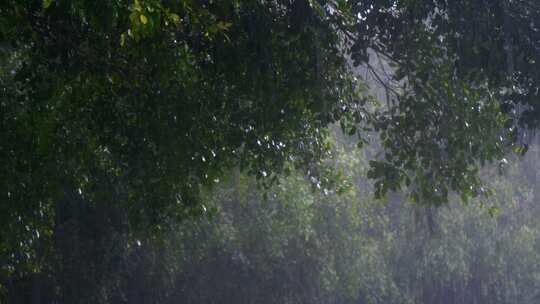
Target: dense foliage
462,89
131,109
297,246
294,245
118,118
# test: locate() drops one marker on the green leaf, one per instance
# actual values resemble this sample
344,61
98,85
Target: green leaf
144,19
47,3
122,39
223,25
174,18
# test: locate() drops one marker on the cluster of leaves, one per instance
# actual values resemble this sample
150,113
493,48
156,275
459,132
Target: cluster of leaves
300,246
141,105
289,244
130,110
462,89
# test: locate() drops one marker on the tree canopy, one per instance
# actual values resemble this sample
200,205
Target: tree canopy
134,109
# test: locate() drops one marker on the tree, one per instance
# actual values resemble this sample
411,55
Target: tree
289,244
124,113
137,107
463,89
